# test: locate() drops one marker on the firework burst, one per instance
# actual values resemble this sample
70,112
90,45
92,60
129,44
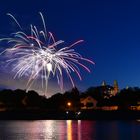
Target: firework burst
37,55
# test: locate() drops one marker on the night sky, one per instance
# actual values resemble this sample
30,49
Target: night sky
110,30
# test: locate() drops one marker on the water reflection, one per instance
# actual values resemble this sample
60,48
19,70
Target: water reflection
69,130
79,129
76,130
49,129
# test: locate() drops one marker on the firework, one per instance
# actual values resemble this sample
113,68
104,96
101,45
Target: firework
38,56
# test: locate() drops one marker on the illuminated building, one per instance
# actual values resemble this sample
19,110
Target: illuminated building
116,88
109,91
135,106
88,103
109,108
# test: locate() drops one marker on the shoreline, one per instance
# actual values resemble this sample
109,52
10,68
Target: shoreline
71,115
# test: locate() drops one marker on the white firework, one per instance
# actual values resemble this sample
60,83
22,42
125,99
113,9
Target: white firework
37,55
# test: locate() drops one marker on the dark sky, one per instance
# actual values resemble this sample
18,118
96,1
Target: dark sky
110,30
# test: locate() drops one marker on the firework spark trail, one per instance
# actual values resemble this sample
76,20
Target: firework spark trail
38,56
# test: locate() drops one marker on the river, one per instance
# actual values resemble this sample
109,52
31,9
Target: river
69,130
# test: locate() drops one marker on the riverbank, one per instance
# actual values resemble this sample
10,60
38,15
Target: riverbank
69,115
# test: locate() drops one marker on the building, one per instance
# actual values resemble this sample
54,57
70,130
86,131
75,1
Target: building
88,103
109,108
115,88
135,107
2,107
109,91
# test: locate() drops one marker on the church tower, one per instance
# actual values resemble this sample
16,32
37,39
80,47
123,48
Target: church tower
103,83
116,87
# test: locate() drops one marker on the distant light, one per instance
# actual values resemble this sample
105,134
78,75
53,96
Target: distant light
67,112
79,113
69,104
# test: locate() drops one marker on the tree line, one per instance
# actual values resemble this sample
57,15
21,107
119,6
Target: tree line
20,99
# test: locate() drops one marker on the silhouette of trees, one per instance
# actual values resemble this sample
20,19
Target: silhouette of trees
56,102
19,99
95,92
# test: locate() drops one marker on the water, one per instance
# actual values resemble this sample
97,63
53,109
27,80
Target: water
69,130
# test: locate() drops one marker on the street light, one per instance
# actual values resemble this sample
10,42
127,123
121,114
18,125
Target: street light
69,104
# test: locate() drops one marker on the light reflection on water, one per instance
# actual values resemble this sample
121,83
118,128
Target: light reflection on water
69,130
